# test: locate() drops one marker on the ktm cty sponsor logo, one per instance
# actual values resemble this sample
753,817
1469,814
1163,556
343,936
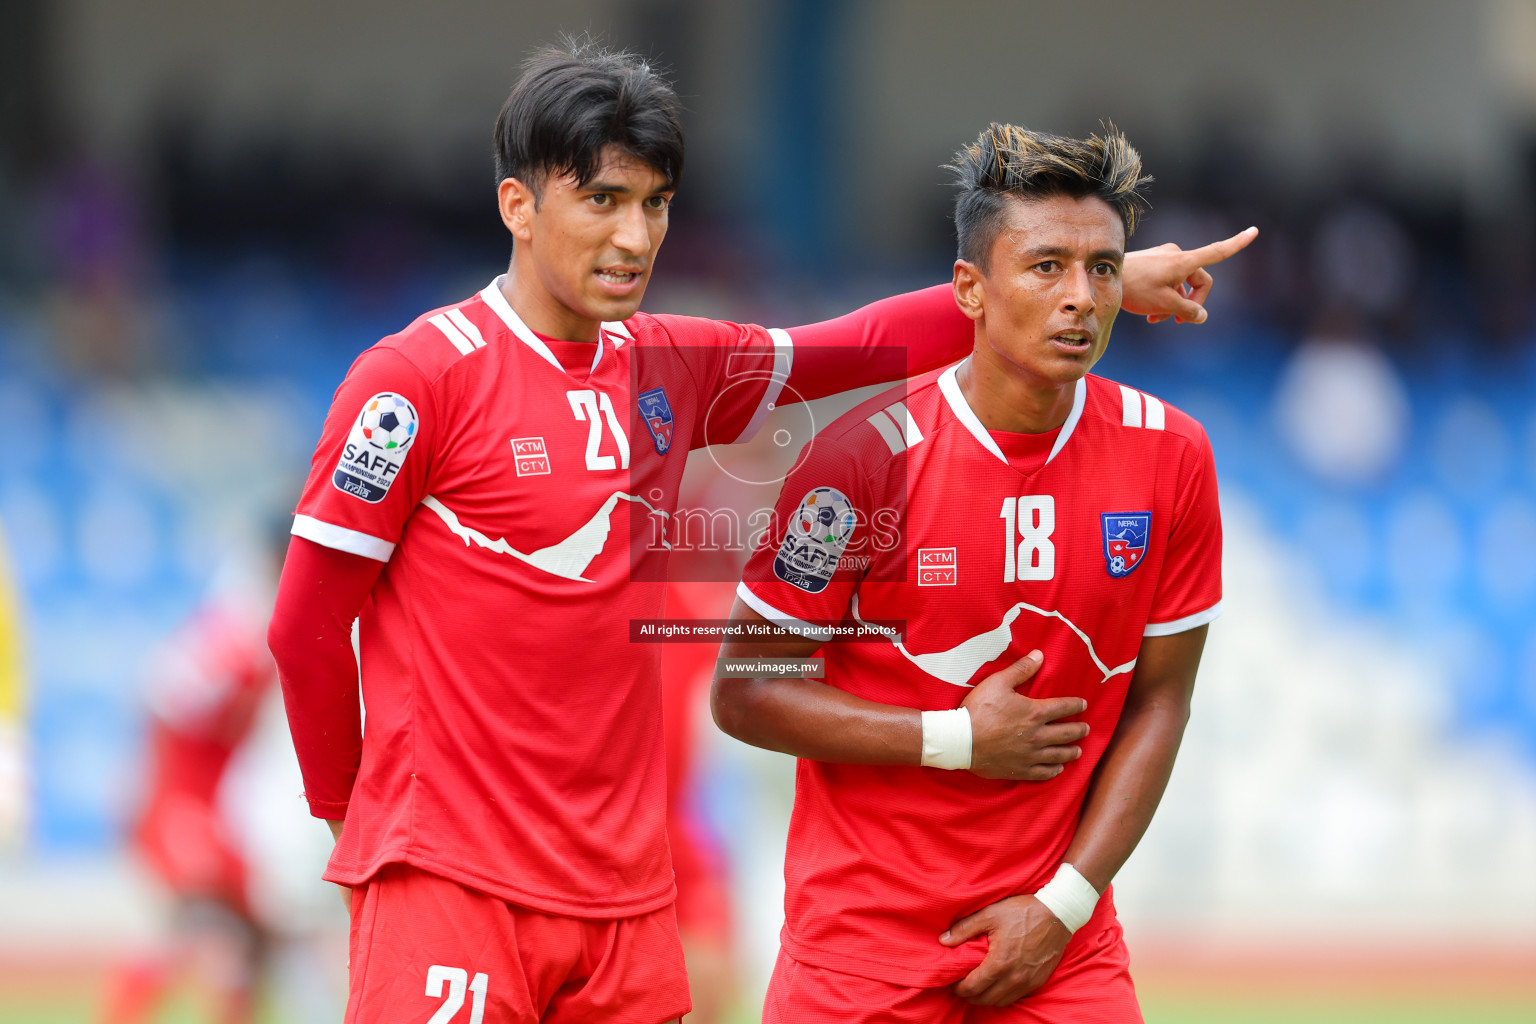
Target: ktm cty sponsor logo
937,567
531,455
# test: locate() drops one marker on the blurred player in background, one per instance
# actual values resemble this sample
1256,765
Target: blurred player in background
205,685
1026,507
705,920
484,500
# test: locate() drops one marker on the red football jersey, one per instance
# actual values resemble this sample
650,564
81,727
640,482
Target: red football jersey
985,545
519,499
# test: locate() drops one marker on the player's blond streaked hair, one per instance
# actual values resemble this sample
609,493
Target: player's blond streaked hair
1009,161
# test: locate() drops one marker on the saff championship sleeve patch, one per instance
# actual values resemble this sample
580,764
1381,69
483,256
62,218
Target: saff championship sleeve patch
815,540
377,447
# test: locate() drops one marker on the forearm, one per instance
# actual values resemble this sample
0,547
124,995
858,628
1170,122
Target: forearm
880,343
319,596
1027,935
1126,789
813,720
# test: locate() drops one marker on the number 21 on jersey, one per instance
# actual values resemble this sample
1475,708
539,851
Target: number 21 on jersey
1028,523
585,406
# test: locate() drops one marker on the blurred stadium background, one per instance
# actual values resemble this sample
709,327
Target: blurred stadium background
207,209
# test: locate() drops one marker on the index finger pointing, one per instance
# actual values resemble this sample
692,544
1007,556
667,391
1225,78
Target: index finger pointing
1218,251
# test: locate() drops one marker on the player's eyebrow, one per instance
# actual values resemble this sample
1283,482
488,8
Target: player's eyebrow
1056,252
619,189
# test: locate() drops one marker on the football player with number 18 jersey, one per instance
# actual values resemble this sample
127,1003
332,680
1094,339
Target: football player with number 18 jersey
1009,504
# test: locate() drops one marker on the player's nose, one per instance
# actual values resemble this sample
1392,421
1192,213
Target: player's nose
631,234
1077,294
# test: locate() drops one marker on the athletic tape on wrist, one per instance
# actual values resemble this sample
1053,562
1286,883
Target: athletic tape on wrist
1069,896
947,739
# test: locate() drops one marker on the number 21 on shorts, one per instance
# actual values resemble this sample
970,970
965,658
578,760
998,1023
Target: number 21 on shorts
1028,553
457,981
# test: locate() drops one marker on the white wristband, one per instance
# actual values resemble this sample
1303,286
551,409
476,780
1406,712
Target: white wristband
947,739
1069,896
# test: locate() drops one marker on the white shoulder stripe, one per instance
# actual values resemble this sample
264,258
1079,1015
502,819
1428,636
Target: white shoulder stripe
339,538
888,431
468,329
453,334
1188,622
781,619
898,412
1130,404
783,362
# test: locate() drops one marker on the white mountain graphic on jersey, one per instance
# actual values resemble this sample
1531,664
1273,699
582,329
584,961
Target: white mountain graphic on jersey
957,665
567,559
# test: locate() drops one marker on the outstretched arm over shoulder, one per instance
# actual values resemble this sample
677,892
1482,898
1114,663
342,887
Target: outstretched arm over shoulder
912,333
885,341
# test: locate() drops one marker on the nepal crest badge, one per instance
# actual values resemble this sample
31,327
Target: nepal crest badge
1125,540
657,413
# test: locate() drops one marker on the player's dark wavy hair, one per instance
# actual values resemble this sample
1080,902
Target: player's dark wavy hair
574,100
1009,161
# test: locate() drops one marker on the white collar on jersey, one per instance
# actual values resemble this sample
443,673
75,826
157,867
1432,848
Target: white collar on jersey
963,412
491,293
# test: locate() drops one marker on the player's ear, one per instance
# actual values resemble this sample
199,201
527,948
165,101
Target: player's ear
517,204
970,288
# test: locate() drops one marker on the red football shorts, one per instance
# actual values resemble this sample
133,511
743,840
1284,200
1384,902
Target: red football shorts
1091,985
429,951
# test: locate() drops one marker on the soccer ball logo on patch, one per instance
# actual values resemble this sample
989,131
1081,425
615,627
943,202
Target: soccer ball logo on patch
822,525
376,447
824,516
1125,540
388,422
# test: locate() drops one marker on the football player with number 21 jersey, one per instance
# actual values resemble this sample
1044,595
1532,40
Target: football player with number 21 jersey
1017,537
486,500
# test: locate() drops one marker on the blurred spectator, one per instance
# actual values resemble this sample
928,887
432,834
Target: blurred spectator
104,318
1470,448
1343,409
1363,259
